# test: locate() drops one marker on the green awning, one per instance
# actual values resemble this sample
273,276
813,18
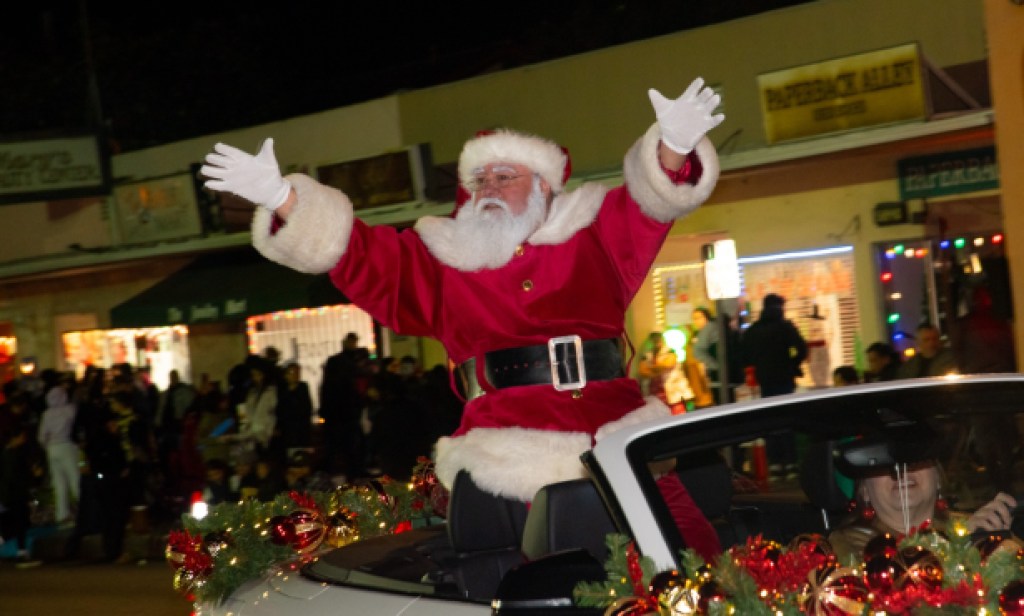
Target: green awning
225,286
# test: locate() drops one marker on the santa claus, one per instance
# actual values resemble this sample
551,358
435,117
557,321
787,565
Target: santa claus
526,286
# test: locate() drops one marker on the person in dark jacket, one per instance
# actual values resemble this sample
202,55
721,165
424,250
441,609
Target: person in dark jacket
775,348
883,362
21,468
109,463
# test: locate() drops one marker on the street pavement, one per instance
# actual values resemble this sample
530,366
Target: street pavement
85,588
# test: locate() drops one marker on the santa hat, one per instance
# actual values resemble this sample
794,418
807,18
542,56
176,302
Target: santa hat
546,158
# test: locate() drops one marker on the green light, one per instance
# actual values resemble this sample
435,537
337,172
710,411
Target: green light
898,248
894,317
960,242
675,339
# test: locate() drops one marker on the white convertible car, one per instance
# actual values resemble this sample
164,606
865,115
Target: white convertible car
970,425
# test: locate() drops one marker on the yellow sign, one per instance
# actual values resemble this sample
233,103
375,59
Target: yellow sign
872,88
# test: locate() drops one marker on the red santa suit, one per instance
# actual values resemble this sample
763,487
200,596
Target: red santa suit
576,275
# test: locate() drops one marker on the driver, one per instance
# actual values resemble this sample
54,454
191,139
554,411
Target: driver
896,493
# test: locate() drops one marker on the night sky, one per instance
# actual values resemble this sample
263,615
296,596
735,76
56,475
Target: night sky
169,71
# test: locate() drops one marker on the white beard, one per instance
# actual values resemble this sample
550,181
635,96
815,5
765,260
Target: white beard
487,238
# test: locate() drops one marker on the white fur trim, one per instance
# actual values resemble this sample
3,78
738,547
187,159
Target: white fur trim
569,213
512,462
316,234
437,233
544,157
653,409
658,196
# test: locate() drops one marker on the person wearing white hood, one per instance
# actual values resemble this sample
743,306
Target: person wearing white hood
62,453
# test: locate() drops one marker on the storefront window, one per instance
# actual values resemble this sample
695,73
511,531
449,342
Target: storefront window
820,300
158,349
309,336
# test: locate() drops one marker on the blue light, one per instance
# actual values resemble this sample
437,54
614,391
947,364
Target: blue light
797,255
944,244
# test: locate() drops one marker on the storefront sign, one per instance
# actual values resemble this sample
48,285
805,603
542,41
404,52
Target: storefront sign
52,169
949,173
863,90
891,213
158,209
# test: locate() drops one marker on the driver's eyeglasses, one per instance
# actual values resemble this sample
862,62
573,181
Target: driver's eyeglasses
498,180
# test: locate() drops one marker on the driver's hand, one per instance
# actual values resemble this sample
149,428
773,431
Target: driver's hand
996,515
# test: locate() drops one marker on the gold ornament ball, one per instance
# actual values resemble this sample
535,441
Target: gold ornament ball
340,535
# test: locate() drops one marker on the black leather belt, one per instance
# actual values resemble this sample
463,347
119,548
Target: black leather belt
565,363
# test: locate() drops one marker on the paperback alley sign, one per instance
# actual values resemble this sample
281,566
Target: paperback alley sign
51,169
949,173
868,89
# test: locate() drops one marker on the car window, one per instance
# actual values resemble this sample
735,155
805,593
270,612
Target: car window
797,464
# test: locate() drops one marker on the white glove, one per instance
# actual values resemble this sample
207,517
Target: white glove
253,178
685,120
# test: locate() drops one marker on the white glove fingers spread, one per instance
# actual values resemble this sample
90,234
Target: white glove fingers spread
219,160
254,178
658,101
229,151
693,88
685,120
213,171
708,98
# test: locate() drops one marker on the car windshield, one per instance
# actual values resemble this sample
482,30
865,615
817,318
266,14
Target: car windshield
818,462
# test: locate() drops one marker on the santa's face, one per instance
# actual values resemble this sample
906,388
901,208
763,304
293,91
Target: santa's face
503,185
488,229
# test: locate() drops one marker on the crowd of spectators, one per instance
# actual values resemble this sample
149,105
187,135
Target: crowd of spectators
101,453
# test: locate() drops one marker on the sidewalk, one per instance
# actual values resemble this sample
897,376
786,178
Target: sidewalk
47,543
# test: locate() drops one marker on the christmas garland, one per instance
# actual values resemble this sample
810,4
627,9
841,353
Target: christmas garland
923,573
237,542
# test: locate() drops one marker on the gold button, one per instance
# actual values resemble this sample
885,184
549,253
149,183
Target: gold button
520,250
527,285
577,394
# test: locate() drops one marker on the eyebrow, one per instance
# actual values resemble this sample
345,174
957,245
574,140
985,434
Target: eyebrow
497,169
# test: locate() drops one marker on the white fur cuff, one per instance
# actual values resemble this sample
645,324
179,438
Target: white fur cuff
316,234
658,196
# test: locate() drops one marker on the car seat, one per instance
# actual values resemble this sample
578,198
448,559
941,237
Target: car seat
485,533
564,516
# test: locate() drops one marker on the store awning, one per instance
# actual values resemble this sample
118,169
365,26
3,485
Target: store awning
225,286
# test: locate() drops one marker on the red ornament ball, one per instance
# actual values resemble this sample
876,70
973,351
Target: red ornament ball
709,591
308,529
881,545
666,580
1011,599
883,574
628,606
923,568
282,530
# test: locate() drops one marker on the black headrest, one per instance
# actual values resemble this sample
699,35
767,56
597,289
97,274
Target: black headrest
564,516
468,505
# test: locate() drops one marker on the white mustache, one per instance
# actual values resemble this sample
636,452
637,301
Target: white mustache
484,202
